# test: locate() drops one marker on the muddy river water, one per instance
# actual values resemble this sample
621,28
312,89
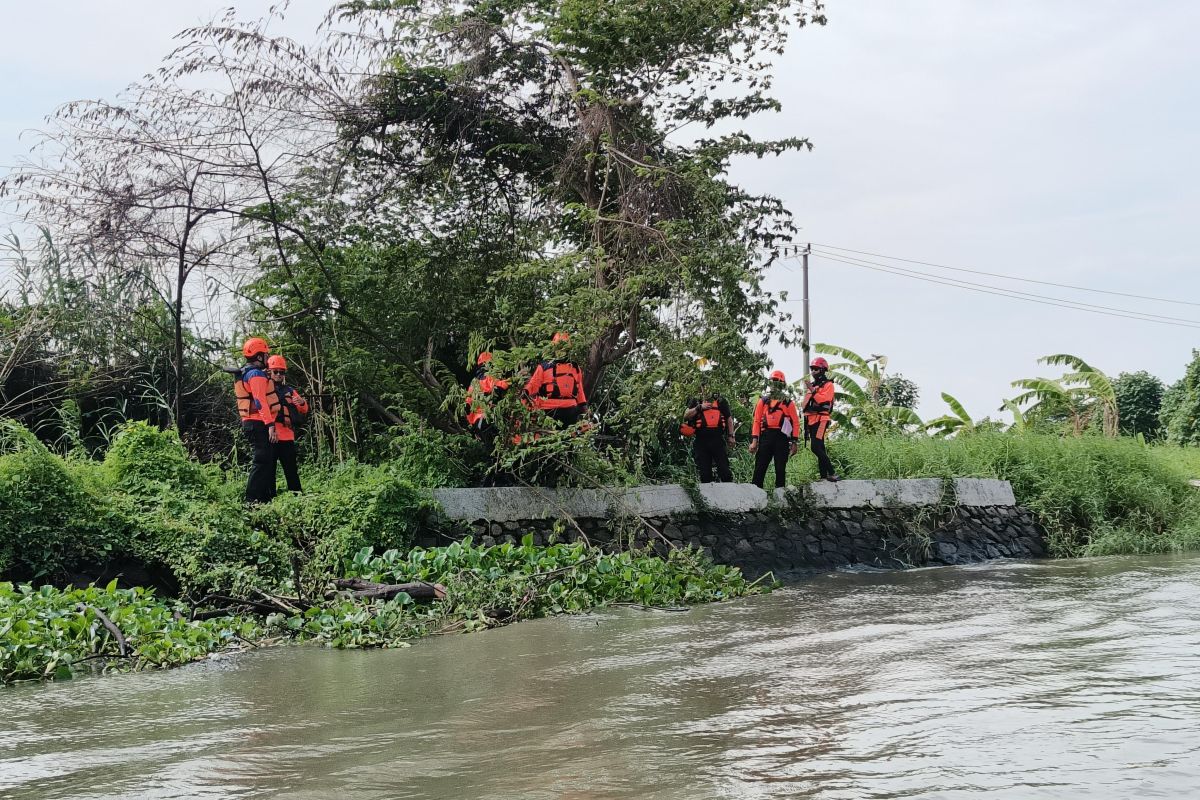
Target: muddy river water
1022,680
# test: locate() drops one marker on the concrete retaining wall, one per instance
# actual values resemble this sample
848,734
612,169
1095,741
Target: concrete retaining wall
897,523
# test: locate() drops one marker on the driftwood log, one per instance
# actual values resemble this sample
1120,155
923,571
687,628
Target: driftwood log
368,590
267,603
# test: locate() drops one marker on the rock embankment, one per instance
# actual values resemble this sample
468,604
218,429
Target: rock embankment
890,524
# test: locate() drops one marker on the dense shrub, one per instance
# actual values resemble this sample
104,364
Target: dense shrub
50,523
349,508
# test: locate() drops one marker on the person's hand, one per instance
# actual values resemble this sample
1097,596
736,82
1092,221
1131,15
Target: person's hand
732,441
792,450
272,434
754,445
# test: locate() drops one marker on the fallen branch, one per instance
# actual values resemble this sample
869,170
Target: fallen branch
122,645
368,590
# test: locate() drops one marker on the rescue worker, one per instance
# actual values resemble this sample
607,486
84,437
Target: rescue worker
773,435
556,386
483,392
817,407
712,426
258,407
292,410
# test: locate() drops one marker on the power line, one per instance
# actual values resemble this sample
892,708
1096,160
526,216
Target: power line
863,262
1006,293
1010,277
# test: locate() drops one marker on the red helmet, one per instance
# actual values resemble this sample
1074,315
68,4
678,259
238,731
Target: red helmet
560,337
254,346
277,362
819,363
484,358
777,375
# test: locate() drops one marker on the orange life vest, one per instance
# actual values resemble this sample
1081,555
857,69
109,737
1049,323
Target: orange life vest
776,412
818,402
712,419
248,407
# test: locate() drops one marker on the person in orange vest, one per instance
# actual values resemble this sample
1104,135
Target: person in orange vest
773,435
556,386
292,410
711,424
258,408
817,407
484,391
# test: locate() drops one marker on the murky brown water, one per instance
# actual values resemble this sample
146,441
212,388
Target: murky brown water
1064,679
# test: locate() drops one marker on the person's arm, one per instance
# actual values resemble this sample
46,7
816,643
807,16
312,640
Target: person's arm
533,387
796,429
824,398
756,427
580,397
298,402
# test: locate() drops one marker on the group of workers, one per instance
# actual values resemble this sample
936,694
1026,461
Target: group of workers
271,412
555,388
775,433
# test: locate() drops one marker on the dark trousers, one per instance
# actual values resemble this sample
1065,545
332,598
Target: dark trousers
709,451
816,439
565,416
286,453
772,446
260,488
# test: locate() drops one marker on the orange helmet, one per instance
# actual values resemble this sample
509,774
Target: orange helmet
484,358
560,337
277,362
777,375
255,346
819,363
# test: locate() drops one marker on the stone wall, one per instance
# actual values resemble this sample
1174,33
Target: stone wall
888,524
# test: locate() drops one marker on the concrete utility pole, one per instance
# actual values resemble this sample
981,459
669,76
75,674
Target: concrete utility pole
807,338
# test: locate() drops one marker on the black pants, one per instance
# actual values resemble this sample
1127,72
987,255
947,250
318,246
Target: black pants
565,417
772,445
816,438
709,451
286,453
260,488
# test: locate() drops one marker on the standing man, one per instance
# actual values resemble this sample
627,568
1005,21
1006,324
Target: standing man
481,394
817,407
258,407
713,425
292,410
773,435
556,386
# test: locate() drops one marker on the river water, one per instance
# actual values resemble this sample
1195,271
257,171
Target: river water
1023,680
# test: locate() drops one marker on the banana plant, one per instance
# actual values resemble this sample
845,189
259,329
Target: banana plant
949,424
1018,424
1079,393
858,380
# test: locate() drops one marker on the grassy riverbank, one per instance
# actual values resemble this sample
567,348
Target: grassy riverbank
1094,495
49,633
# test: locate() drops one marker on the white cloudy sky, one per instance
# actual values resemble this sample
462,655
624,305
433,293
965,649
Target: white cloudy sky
1049,140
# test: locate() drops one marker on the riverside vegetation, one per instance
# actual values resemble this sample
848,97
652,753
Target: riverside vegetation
162,518
181,525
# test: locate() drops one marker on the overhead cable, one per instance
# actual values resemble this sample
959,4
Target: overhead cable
1010,277
1012,294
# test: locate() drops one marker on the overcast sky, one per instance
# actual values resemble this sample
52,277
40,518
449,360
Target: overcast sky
1045,140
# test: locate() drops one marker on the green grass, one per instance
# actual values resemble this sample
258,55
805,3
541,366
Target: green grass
1094,495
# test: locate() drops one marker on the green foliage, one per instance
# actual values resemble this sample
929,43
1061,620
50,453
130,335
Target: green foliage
1094,495
1139,402
1080,396
47,633
865,393
1180,415
144,460
346,509
50,524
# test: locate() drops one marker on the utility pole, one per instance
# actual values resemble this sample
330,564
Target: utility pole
807,339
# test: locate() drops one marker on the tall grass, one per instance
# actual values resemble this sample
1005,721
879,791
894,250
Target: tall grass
1094,495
